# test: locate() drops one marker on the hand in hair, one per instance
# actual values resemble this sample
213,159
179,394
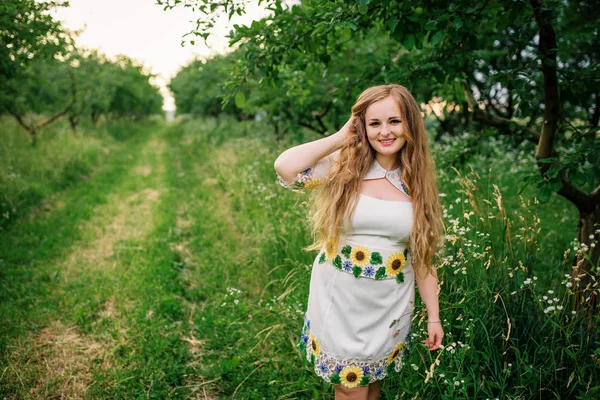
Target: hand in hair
345,132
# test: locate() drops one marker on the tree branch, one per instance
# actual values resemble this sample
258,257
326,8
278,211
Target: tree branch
19,119
311,127
500,123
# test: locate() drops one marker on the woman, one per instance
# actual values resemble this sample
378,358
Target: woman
377,222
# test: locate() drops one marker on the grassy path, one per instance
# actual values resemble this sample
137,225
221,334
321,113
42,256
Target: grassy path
89,287
157,278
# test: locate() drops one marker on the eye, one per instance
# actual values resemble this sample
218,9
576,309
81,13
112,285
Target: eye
396,121
374,123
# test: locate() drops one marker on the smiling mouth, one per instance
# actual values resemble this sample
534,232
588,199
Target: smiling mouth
387,141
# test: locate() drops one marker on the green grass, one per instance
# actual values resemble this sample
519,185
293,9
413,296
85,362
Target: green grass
172,268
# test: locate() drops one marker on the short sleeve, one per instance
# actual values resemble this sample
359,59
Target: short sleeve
312,177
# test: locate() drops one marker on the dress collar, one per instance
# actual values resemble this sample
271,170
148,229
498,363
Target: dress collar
394,177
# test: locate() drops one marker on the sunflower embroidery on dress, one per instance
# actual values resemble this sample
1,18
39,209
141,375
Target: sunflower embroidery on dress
349,373
362,262
304,180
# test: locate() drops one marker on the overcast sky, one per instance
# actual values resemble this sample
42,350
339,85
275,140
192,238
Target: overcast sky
141,30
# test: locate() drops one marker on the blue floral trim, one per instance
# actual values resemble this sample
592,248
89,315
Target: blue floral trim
349,373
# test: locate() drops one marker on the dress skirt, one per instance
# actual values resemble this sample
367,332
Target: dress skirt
359,316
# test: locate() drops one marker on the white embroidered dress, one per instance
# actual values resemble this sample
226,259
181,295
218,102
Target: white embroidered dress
358,321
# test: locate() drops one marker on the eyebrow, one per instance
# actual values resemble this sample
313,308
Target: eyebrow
376,119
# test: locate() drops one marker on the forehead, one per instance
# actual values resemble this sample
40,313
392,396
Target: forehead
383,109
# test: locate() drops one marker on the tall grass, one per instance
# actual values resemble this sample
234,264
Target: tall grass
207,300
30,175
506,305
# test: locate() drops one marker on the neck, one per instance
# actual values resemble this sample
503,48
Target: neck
389,163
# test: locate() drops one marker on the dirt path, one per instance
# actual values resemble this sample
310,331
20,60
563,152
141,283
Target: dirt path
60,360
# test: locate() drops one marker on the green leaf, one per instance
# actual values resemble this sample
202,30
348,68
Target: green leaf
376,258
457,23
240,99
337,262
393,23
325,58
322,258
409,42
380,274
364,381
356,271
548,160
437,38
555,184
347,250
544,194
570,353
400,277
363,9
577,177
430,25
335,379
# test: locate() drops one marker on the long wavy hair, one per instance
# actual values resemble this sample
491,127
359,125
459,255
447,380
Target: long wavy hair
334,203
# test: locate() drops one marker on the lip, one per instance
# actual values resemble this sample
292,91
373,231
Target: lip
387,142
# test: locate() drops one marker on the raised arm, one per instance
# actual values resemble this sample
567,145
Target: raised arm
298,158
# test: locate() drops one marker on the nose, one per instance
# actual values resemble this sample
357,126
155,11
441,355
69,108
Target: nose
385,129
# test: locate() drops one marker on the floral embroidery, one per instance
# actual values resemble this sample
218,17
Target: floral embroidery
369,271
347,265
351,376
337,262
323,368
395,263
322,258
394,353
304,180
350,373
360,256
346,251
361,261
315,347
330,250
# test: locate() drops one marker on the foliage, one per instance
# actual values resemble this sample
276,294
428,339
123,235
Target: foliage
45,76
503,65
27,33
197,87
133,96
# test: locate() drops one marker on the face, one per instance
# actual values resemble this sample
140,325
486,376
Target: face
384,128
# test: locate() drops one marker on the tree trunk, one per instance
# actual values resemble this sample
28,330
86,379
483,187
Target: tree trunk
74,121
585,268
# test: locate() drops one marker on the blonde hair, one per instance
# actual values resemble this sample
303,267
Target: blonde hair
336,199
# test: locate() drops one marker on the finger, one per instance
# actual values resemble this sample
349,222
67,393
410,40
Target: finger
435,341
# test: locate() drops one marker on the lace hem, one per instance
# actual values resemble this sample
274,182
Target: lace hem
351,372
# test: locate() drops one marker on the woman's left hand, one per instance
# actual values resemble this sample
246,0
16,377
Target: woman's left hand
436,333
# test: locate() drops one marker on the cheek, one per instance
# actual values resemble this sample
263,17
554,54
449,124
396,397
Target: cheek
371,134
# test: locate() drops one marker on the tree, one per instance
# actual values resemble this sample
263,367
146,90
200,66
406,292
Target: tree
31,40
198,87
524,69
